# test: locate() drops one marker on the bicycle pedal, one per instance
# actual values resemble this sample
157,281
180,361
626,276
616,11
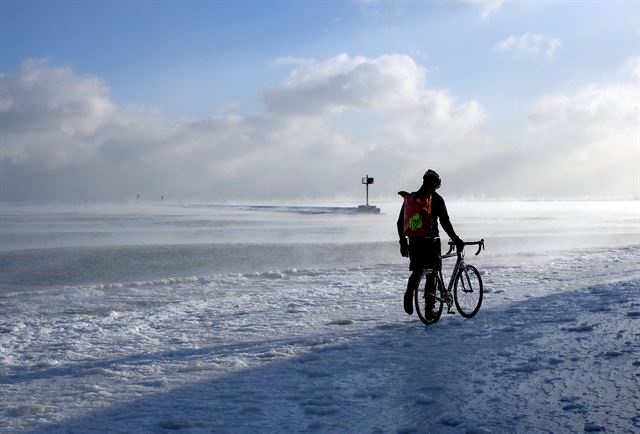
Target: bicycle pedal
451,312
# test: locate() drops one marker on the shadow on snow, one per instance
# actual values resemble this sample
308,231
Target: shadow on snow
457,376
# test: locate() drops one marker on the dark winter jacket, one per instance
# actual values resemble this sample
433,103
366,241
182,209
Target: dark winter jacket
438,212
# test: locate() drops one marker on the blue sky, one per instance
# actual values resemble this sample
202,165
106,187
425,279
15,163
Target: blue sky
224,50
163,62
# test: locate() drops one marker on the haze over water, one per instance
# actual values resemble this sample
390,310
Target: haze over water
58,245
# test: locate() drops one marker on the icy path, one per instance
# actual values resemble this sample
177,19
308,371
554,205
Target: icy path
555,348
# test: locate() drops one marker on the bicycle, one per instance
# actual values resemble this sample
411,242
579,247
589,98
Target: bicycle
465,282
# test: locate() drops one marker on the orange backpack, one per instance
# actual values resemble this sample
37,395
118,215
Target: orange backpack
417,215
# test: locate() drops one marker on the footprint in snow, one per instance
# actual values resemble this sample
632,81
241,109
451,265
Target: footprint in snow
611,354
424,400
592,427
579,329
574,406
341,322
522,368
452,421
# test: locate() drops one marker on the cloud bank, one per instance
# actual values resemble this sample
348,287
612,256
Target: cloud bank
581,144
62,137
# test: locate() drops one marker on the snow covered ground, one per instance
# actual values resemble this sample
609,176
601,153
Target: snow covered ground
554,348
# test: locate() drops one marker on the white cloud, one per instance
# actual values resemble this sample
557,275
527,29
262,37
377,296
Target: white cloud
344,82
529,45
62,137
326,124
48,114
583,143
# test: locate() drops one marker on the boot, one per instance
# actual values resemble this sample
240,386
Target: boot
408,302
428,312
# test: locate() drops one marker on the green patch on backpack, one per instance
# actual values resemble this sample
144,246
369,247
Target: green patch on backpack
415,222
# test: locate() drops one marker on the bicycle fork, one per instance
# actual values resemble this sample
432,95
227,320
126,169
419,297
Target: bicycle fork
465,281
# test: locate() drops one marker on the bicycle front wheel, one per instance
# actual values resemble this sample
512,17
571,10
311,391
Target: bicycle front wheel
429,303
467,291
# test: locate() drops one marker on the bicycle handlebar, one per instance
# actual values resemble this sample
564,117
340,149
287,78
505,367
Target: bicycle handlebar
480,245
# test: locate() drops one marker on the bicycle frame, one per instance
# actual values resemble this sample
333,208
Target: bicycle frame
459,265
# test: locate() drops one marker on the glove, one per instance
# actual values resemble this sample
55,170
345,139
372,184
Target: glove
404,247
459,244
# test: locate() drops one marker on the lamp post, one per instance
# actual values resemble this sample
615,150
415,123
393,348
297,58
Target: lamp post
366,181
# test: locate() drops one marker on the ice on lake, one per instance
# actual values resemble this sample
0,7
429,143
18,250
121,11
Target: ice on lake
219,318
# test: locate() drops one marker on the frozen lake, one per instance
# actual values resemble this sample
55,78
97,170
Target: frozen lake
218,318
44,246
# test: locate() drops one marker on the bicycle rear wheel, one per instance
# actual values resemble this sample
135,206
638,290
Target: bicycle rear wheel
467,291
429,305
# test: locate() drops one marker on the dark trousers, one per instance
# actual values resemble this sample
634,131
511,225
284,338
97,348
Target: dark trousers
424,253
414,280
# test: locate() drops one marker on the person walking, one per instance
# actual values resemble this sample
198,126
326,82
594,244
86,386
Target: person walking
419,234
